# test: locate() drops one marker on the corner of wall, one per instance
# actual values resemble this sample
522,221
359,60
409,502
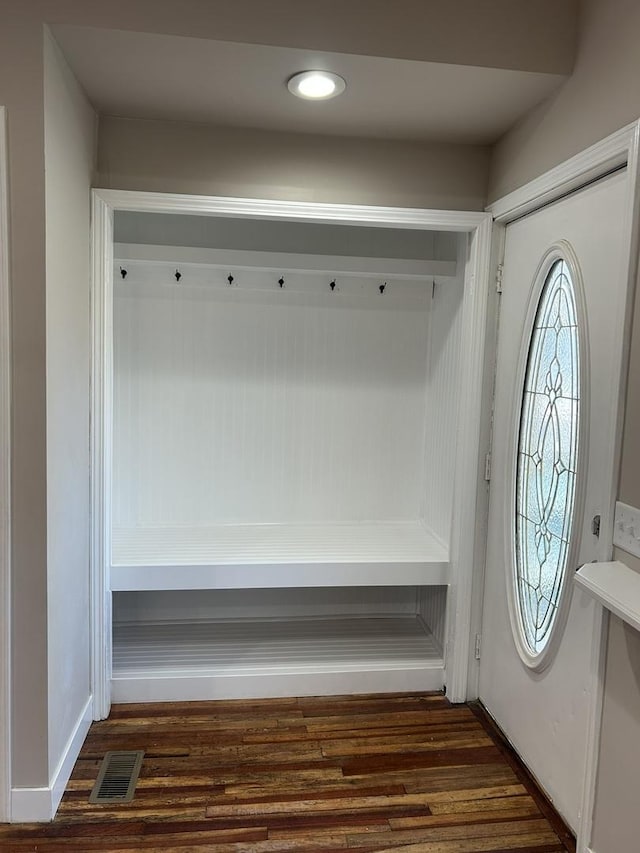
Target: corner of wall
39,805
70,152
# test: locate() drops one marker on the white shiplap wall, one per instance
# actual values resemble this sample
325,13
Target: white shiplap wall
443,404
197,605
432,602
236,405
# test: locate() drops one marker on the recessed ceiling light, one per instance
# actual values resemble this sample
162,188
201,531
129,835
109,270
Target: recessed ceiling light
316,85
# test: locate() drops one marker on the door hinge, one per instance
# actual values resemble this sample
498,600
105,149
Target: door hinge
595,526
487,467
478,646
499,272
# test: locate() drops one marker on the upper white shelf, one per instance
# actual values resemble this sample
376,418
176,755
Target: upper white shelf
615,586
397,268
260,556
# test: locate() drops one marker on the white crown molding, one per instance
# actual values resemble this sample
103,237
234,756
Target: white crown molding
384,217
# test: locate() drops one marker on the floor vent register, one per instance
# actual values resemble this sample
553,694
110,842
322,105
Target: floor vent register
117,778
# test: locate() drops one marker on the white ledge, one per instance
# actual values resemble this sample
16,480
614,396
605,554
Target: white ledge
615,586
282,262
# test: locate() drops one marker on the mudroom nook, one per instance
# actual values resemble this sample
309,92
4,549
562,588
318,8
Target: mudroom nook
285,409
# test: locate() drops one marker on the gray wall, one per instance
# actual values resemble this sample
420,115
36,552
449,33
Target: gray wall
21,91
70,149
602,95
191,158
615,825
45,670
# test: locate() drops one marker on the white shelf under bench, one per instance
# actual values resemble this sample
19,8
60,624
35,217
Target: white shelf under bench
170,660
261,556
240,659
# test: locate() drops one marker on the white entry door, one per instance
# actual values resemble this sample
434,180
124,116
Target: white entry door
557,387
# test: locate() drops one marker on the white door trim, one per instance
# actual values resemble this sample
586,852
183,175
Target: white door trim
604,156
464,544
5,484
100,439
615,151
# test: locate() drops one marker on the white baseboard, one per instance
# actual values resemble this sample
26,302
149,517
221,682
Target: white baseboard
70,755
39,805
265,686
31,805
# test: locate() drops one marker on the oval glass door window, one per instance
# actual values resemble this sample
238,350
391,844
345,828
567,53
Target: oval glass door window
547,459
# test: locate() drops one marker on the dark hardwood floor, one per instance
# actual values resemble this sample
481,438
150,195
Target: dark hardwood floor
395,773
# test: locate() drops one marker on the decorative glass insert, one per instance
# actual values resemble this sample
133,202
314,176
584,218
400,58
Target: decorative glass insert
547,454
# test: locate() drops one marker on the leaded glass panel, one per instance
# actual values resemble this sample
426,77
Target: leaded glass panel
547,454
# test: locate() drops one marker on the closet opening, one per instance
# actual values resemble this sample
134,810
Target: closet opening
286,454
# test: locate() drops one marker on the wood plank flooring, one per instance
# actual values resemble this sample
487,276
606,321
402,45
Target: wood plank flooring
396,773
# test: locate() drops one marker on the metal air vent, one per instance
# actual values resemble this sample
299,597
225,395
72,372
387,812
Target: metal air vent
117,778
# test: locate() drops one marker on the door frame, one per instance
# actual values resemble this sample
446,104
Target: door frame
466,544
618,150
5,483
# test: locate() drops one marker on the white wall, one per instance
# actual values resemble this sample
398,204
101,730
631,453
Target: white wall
70,142
166,229
268,406
251,604
443,399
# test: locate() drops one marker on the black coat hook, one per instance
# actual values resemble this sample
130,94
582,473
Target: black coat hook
281,282
332,284
178,275
123,272
382,287
230,279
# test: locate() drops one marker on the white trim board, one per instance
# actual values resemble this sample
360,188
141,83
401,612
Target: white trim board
285,262
39,805
618,150
269,686
252,208
594,162
5,485
465,536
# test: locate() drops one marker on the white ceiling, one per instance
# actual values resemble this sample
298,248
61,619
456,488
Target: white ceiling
141,75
